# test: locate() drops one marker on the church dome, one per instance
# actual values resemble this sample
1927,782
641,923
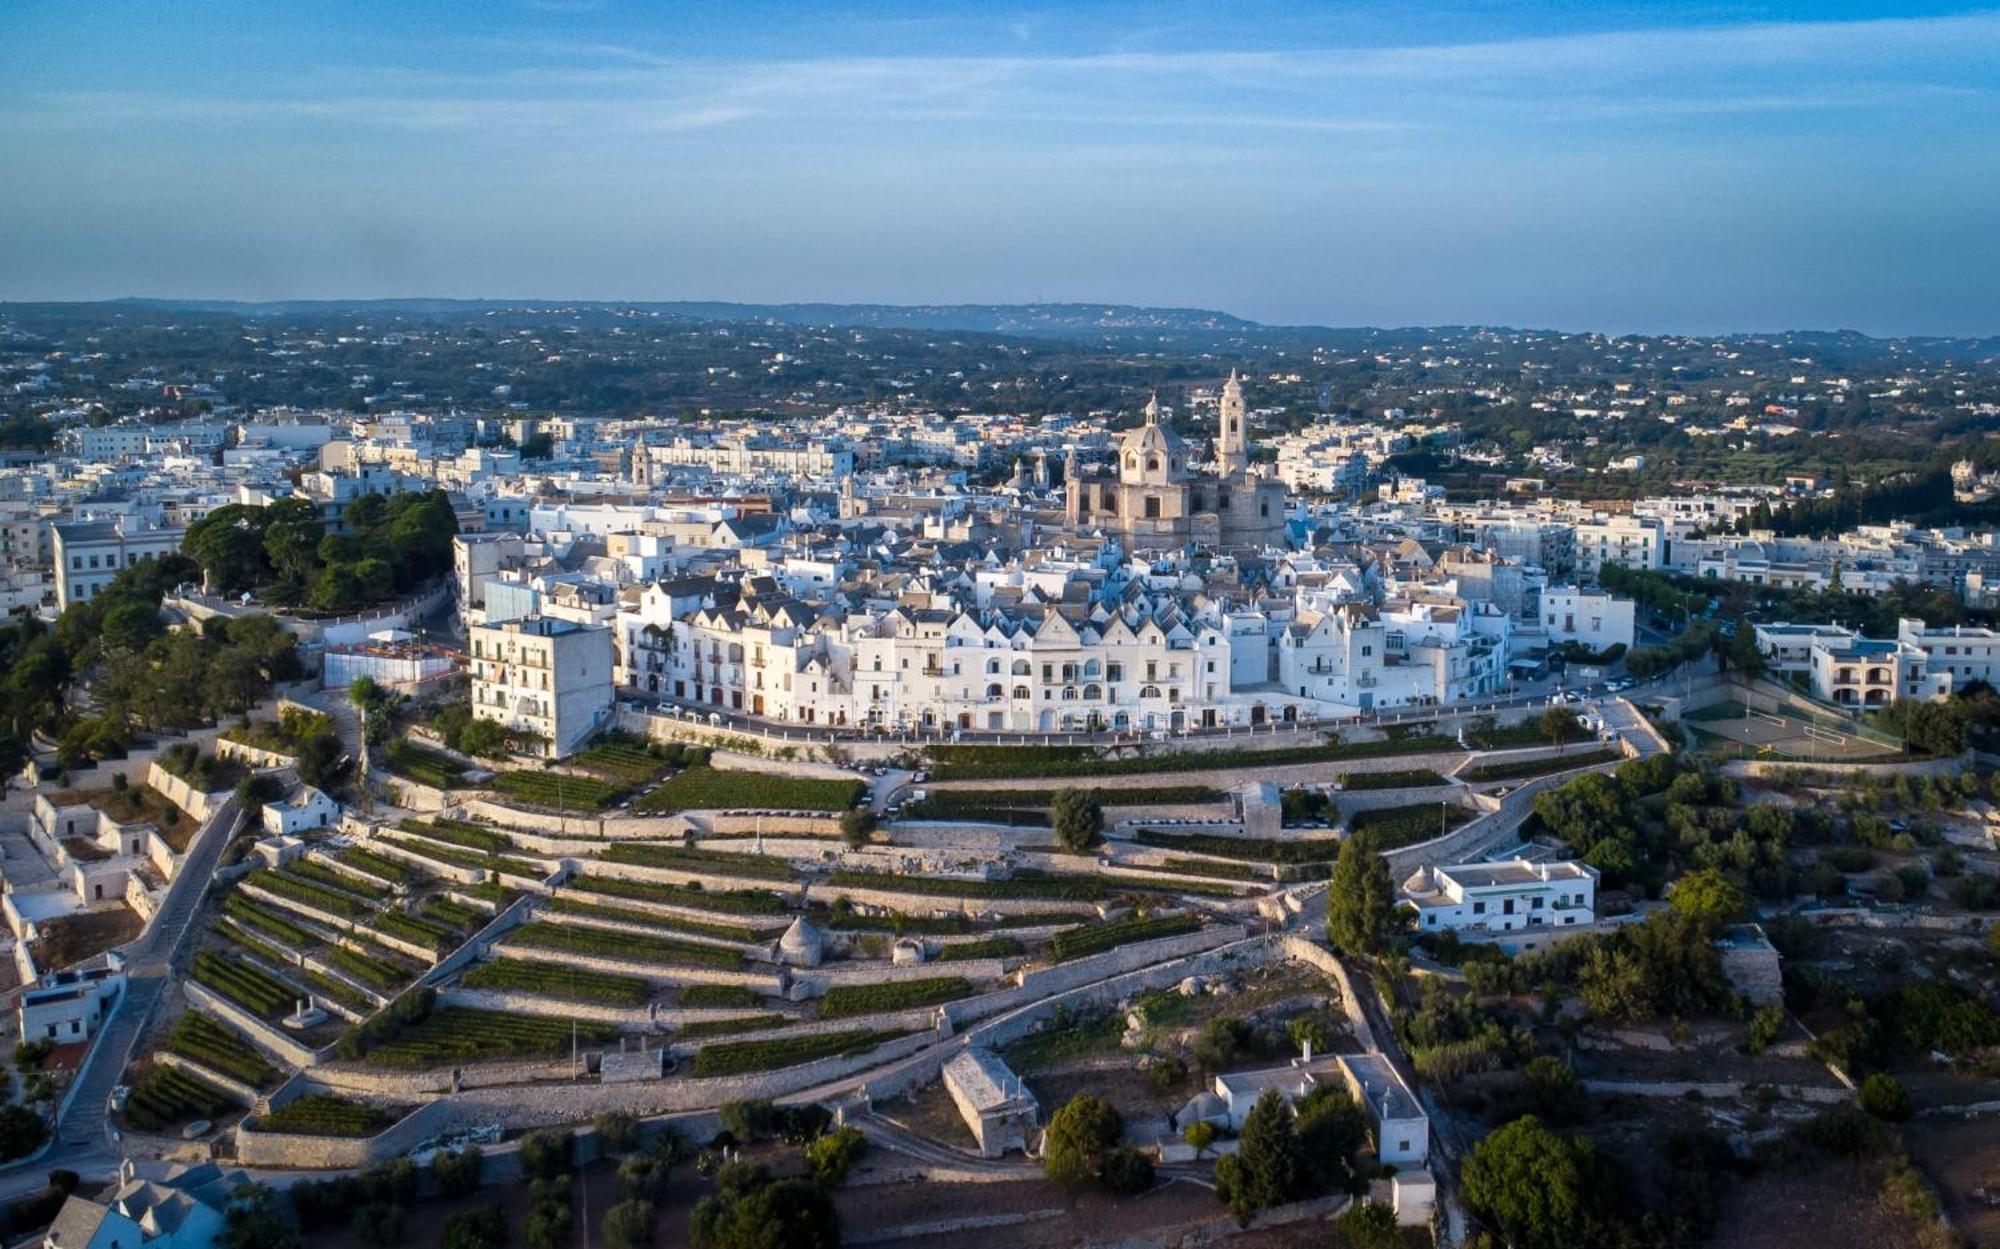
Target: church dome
1153,453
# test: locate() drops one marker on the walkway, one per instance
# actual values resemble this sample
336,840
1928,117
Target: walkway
81,1143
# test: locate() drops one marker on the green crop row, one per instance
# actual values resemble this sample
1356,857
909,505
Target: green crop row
1096,938
980,763
523,868
459,833
247,912
626,946
1023,885
375,971
729,1027
170,1096
848,1000
308,893
423,765
633,765
1525,768
416,930
1406,826
558,790
1402,778
736,901
249,987
201,1039
394,871
647,919
1248,849
711,789
460,1034
568,983
688,859
323,1114
730,1058
989,947
720,996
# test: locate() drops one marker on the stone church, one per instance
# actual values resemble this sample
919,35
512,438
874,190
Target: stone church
1159,500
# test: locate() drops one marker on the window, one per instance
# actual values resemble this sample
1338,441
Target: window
1479,908
1152,507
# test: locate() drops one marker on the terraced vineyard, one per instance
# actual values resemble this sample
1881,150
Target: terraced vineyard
848,1000
730,1058
456,1034
168,1097
423,765
393,871
681,858
625,946
567,983
702,1029
255,915
416,930
621,761
377,971
719,996
558,791
1406,826
309,893
201,1039
648,919
320,874
712,789
250,987
738,901
1023,885
991,947
524,868
323,1114
1525,769
1249,849
459,833
1096,938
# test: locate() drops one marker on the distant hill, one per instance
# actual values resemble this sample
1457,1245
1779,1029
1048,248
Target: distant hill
1049,320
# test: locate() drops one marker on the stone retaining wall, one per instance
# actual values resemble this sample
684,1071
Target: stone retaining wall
255,756
179,792
275,1043
657,973
242,1092
312,1153
812,826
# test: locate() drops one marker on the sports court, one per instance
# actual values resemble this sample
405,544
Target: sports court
1785,732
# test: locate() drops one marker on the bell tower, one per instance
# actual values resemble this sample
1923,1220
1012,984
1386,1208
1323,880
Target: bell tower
1232,444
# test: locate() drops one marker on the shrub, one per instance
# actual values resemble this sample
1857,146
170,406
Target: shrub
1884,1097
458,1171
833,1155
547,1154
617,1132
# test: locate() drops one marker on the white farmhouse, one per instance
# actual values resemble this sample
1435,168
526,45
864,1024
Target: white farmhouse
1483,898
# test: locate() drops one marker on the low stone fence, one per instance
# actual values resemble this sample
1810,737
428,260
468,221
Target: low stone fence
929,904
821,826
515,914
1719,1089
478,809
1912,767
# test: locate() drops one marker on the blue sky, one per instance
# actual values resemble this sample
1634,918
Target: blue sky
1619,166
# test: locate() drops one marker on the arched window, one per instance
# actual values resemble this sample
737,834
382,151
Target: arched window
1091,693
1149,691
1021,691
1090,668
1023,668
994,690
992,667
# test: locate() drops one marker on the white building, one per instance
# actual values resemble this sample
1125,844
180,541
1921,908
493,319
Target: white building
305,810
1482,898
548,677
1955,654
89,554
66,1006
1637,542
1590,618
1402,1129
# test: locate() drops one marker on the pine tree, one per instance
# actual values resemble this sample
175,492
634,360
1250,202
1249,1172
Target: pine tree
1272,1168
1360,900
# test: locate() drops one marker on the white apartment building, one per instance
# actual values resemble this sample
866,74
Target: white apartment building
1637,542
542,676
1589,618
88,554
750,456
1033,670
1871,672
1956,654
1483,898
1788,648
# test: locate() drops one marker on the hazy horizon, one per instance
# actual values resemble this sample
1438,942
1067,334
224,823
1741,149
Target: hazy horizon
1584,165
